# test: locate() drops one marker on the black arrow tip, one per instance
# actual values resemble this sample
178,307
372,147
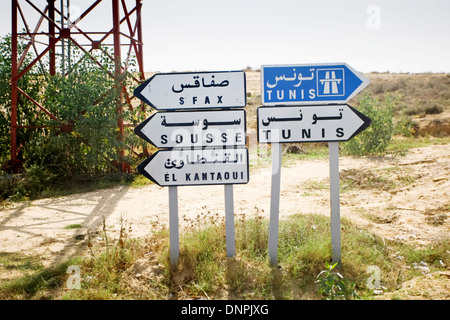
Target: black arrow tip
137,92
138,130
366,121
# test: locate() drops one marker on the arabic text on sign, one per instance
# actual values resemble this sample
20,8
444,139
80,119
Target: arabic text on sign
196,84
201,160
296,78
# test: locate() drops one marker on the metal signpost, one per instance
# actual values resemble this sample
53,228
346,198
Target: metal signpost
305,103
202,147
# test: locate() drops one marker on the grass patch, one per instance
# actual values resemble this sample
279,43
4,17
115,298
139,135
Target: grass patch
139,181
73,226
400,145
17,261
139,269
35,281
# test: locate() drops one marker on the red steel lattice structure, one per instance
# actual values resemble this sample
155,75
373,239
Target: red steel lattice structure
125,32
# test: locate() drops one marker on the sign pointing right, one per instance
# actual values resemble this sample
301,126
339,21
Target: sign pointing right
324,123
305,103
310,83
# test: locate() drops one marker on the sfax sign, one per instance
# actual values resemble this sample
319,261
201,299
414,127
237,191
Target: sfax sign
170,91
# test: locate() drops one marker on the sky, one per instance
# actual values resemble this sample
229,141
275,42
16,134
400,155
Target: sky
219,35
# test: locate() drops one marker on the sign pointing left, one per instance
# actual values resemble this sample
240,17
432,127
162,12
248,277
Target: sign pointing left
186,167
194,90
181,129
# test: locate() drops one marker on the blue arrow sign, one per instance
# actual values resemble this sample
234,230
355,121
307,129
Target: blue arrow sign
310,84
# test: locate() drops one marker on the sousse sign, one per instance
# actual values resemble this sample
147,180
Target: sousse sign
181,129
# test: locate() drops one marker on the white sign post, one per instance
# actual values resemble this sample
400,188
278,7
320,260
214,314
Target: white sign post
188,138
173,227
321,123
300,105
274,202
229,221
333,149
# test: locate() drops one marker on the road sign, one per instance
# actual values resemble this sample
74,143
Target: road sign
194,90
181,129
310,84
322,123
186,167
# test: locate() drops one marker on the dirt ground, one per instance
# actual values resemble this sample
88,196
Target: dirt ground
409,203
405,197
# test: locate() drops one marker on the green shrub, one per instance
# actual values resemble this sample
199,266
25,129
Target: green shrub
404,126
30,183
423,107
376,137
433,108
333,286
32,83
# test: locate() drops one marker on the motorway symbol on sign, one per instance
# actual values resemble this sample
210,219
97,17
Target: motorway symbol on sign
181,129
310,84
184,167
194,90
322,123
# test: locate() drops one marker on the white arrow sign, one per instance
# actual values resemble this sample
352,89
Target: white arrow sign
210,166
181,129
194,90
323,123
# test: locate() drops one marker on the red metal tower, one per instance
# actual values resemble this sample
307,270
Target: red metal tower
123,34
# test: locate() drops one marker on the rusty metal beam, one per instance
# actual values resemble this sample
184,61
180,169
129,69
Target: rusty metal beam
32,41
140,45
118,70
14,96
51,37
55,33
44,15
85,13
37,59
37,104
